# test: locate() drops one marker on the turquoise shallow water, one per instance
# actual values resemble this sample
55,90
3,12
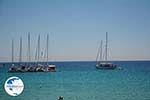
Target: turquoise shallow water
81,81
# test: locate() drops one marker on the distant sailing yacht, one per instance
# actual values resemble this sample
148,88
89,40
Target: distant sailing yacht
104,64
50,67
13,67
46,67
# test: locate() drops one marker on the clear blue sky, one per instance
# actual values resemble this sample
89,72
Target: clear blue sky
76,28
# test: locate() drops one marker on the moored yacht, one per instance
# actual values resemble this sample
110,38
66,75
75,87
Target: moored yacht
104,64
30,67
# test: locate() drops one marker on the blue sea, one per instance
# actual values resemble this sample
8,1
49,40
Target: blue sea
82,81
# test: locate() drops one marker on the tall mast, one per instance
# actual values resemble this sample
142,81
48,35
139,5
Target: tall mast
29,57
12,50
106,46
99,53
20,56
47,47
101,50
38,48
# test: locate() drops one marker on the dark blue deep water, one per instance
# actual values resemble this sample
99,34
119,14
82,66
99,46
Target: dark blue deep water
82,81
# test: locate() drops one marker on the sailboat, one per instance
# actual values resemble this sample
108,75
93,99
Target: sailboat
104,64
12,68
21,67
50,67
38,67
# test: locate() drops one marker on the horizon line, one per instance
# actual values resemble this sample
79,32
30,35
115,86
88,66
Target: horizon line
71,61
